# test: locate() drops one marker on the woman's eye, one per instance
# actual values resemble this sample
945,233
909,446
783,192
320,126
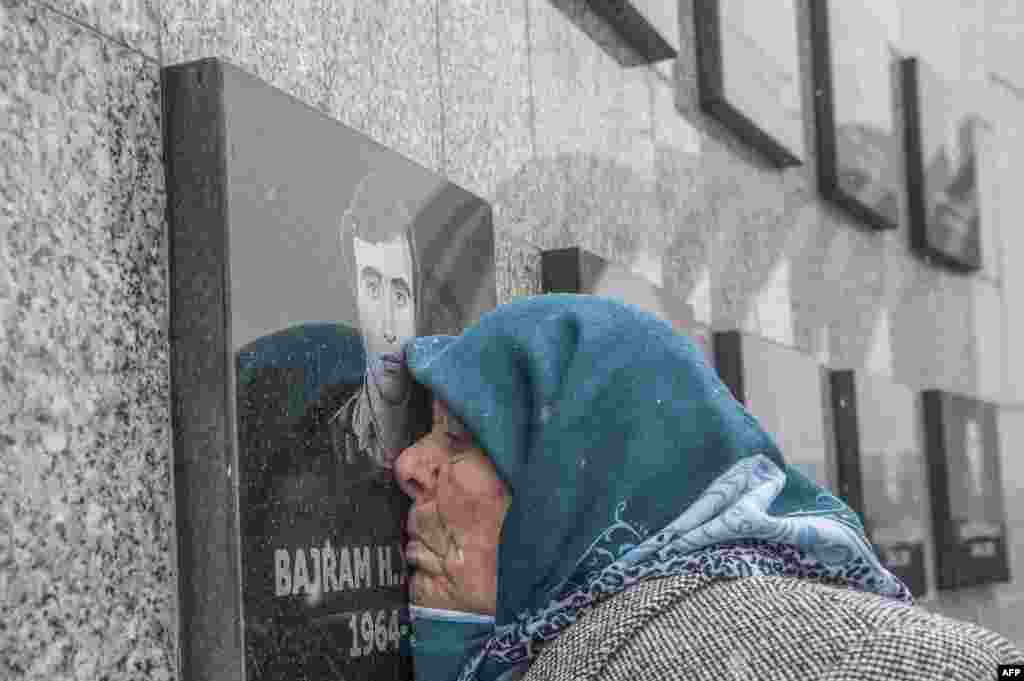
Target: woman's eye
458,439
458,443
401,299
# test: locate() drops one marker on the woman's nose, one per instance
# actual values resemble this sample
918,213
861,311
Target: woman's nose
417,469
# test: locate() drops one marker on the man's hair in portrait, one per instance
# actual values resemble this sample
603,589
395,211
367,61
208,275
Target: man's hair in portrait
377,214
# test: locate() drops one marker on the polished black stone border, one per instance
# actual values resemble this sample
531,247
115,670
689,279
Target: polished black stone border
956,566
842,385
635,29
569,270
206,462
825,126
728,351
710,82
923,237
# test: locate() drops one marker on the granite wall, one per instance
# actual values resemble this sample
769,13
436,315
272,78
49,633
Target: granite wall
531,104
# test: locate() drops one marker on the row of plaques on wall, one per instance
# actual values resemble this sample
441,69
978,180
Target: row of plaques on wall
749,78
302,255
890,453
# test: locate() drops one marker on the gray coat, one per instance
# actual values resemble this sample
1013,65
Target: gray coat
770,628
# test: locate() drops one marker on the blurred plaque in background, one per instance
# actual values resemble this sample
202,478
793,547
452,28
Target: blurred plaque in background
858,147
968,515
749,73
303,255
575,270
783,389
942,183
881,469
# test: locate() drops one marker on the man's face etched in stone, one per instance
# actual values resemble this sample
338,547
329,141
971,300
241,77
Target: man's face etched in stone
386,309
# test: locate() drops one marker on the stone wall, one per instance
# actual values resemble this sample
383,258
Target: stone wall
526,103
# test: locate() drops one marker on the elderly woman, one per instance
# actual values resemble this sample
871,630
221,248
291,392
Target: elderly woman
591,503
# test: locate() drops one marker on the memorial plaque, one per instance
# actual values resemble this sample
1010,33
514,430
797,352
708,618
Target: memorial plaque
782,388
638,23
858,146
749,73
575,270
303,255
968,516
881,470
942,185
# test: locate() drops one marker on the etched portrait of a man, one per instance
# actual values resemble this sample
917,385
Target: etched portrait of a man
324,407
370,428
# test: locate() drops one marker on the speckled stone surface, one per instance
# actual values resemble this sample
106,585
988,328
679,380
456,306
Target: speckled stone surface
518,268
750,218
136,23
988,337
196,29
591,182
931,329
994,184
87,578
371,65
1008,137
485,94
845,281
681,192
759,221
1005,20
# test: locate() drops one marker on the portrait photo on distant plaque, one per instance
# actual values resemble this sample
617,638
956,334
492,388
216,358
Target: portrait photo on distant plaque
942,183
749,73
783,388
577,270
881,469
858,145
333,251
968,514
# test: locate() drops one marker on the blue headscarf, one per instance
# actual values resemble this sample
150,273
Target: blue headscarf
627,459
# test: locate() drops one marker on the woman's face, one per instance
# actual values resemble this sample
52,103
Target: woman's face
454,524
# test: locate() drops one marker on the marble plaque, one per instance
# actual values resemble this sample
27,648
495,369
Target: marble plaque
575,270
881,469
783,389
651,27
942,184
303,255
749,73
858,146
968,515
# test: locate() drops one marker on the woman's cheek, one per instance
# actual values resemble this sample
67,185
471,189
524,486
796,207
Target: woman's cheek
431,591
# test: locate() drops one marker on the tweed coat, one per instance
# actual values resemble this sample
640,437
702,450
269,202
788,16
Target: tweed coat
771,628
